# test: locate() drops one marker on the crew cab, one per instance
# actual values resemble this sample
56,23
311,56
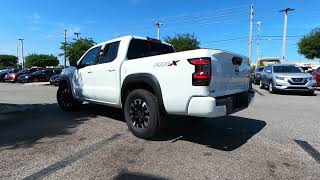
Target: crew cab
148,80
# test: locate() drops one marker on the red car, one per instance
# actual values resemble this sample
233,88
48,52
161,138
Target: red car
316,74
12,77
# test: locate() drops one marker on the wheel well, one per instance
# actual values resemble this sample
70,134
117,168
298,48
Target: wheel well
63,82
132,86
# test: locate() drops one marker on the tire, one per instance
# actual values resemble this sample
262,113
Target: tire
271,88
142,113
65,98
261,85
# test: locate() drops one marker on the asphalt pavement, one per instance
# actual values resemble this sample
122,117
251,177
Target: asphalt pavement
277,137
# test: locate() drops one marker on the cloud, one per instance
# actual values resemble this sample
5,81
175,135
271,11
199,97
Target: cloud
34,18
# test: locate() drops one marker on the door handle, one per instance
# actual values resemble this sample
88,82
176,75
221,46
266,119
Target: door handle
89,72
111,70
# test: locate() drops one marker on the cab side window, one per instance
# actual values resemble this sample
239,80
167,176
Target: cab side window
318,69
91,57
110,52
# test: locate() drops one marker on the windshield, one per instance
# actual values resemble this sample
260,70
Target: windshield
5,71
38,72
16,70
286,69
23,71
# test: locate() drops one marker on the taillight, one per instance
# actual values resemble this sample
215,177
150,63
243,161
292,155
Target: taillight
202,74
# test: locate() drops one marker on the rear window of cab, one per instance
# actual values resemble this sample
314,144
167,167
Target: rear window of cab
139,48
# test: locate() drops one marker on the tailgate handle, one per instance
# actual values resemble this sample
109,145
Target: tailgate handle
236,61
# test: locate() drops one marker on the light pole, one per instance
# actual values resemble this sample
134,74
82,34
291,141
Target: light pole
77,34
284,38
158,24
65,45
18,54
258,41
250,36
22,52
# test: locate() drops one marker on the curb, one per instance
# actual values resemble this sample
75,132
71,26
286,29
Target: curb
37,84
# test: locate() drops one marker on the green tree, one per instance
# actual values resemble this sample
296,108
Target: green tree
8,61
74,50
41,60
309,45
183,42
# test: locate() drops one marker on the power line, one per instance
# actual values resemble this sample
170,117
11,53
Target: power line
202,12
224,40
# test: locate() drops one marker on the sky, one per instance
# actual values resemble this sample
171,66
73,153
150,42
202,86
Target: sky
217,24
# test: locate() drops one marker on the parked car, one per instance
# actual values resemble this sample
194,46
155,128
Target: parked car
4,72
145,78
287,77
316,74
38,76
12,77
54,80
256,75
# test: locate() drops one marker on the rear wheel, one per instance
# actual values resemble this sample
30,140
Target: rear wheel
142,113
65,98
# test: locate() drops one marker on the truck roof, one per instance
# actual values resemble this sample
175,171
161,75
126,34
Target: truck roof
128,37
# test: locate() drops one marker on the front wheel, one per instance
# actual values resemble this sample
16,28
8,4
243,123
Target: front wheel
65,98
142,113
271,87
261,85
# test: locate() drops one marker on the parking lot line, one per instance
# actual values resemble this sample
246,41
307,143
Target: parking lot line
309,149
71,158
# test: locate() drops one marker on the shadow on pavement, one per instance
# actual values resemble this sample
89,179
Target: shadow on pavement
24,129
295,93
223,133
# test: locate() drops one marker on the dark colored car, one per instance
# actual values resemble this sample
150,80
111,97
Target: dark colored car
38,76
256,75
316,74
8,71
12,77
54,80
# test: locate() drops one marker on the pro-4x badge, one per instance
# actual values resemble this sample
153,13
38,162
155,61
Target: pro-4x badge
174,63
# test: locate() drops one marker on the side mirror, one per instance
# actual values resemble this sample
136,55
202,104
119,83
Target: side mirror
73,63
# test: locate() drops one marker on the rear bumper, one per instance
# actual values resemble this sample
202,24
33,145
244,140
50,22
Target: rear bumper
220,106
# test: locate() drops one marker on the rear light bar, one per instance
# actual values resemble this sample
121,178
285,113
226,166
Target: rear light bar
153,40
202,74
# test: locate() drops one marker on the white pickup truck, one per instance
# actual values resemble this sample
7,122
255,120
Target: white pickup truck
148,80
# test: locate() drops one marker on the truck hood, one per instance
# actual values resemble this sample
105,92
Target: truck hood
293,75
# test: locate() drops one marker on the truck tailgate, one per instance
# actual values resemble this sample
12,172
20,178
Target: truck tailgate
230,74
